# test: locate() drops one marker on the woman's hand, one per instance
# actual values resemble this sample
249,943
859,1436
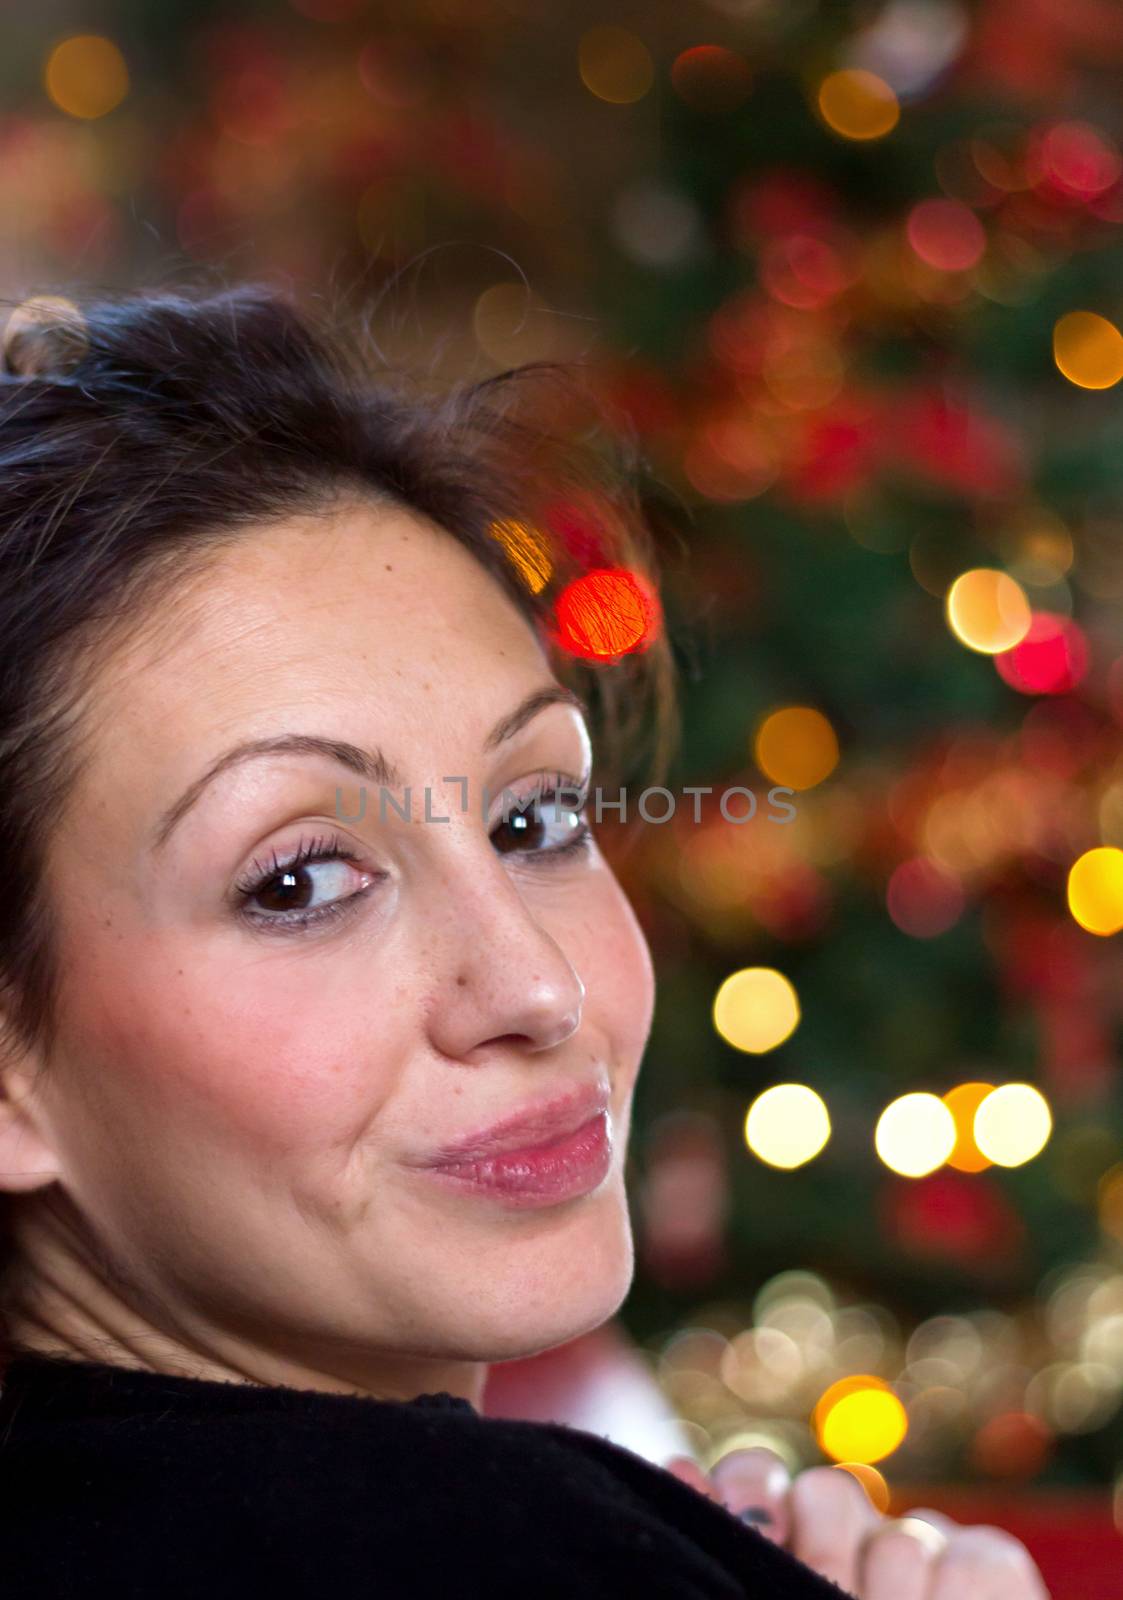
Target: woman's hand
826,1519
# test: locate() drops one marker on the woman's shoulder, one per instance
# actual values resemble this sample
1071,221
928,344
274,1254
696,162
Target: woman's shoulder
307,1493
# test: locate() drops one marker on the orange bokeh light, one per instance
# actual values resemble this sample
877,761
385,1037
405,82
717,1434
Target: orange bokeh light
607,613
963,1101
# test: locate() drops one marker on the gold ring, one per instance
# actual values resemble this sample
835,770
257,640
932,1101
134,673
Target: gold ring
934,1540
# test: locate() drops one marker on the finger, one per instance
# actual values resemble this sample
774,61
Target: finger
831,1516
986,1563
688,1470
754,1483
894,1564
938,1519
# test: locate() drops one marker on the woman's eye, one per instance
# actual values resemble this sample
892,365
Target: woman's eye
542,825
319,882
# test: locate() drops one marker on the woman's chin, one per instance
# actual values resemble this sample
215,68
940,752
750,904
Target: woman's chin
520,1340
547,1302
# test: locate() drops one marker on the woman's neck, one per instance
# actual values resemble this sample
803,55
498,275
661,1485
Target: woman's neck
56,1303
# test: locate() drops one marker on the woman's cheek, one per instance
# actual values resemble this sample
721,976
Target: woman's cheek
170,1049
614,962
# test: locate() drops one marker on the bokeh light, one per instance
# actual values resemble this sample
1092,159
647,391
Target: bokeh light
946,234
987,610
711,78
872,1481
615,64
1052,658
607,613
1073,1396
1013,1124
1075,158
527,550
756,1009
655,224
859,1418
915,1134
1088,350
858,104
787,1125
1095,890
963,1101
805,272
910,45
796,747
86,76
1109,1202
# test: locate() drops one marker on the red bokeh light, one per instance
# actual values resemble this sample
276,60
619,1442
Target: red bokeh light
1051,659
711,78
946,234
1073,159
803,271
607,613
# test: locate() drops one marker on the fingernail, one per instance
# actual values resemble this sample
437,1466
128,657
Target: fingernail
755,1514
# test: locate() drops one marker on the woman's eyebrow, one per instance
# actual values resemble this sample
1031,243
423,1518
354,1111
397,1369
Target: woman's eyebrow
370,765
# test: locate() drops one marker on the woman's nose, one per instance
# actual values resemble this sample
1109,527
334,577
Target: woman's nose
502,976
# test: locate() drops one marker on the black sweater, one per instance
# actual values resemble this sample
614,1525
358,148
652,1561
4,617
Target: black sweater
145,1487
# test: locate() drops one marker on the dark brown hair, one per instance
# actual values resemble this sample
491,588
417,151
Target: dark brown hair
141,433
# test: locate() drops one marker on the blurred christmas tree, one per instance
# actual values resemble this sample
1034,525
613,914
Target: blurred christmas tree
872,338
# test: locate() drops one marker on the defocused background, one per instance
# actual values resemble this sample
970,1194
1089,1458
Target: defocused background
851,276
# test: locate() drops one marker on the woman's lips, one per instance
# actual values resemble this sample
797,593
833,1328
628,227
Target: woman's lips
544,1122
538,1175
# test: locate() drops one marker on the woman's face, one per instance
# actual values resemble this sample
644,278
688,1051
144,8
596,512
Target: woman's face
237,1108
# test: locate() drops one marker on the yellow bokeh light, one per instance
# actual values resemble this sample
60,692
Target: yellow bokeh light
1095,890
615,65
86,75
987,610
858,104
1109,1201
915,1134
1013,1124
787,1125
527,552
756,1009
872,1481
796,747
1088,350
963,1101
859,1419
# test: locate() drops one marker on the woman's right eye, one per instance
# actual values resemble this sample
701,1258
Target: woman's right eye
288,888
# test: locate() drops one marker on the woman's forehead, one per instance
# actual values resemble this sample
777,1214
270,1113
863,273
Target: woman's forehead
364,596
369,627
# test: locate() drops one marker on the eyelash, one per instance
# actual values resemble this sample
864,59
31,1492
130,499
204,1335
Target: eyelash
332,848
